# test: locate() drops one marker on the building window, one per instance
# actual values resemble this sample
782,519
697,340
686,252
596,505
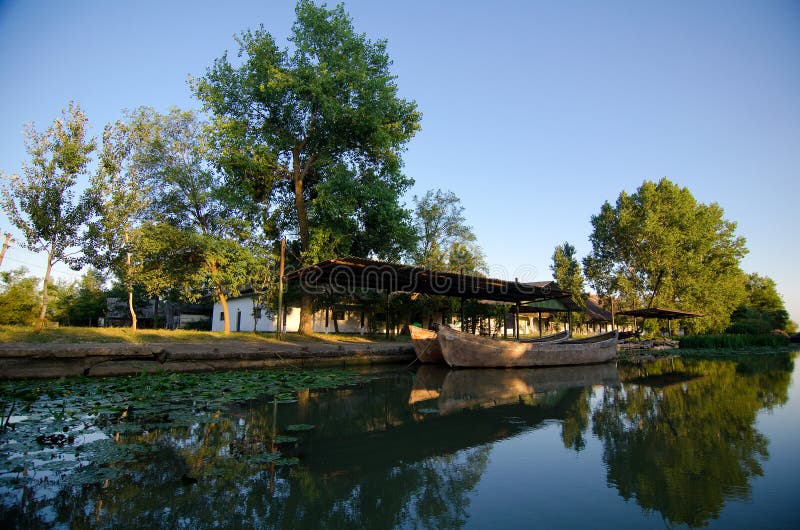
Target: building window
257,312
222,315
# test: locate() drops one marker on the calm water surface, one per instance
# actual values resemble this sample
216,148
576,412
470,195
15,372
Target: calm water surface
674,443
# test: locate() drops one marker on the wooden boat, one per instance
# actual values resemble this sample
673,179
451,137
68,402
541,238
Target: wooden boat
560,336
464,350
426,345
490,387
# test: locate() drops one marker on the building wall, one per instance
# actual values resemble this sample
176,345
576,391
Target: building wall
240,312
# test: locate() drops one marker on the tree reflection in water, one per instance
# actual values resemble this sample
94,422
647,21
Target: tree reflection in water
680,438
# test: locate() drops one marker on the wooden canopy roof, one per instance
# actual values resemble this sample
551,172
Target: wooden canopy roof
555,305
659,312
346,275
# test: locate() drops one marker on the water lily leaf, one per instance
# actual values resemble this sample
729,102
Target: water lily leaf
299,427
265,458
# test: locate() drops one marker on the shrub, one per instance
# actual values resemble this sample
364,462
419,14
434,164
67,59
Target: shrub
731,340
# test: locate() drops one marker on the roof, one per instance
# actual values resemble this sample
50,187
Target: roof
346,275
659,312
595,311
560,305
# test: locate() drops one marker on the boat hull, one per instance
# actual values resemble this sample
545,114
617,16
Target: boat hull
426,345
463,350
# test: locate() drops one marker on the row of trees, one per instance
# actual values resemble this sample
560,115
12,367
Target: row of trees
659,247
303,142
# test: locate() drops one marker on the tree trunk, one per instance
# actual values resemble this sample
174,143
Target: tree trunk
132,310
6,244
130,286
43,312
226,326
306,314
306,302
302,217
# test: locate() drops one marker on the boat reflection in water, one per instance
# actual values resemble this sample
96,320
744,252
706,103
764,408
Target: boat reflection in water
457,390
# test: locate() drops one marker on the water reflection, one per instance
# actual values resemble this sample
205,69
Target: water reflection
411,449
680,439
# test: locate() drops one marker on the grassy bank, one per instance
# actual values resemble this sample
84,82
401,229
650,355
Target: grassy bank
733,341
82,335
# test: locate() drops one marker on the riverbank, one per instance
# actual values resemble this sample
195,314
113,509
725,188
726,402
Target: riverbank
20,360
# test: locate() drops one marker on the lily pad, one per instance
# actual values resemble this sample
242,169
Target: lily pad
299,427
265,458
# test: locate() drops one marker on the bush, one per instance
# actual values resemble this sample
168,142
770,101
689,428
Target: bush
732,340
199,325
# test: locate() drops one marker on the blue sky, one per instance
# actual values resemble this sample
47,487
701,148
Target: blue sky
534,113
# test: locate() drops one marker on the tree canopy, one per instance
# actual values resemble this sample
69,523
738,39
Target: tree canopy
567,272
42,203
762,310
445,240
659,243
288,120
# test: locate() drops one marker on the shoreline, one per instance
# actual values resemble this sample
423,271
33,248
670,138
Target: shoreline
53,360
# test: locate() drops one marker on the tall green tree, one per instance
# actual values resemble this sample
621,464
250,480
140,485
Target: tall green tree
567,272
121,194
290,119
659,243
42,203
198,225
762,309
445,240
19,297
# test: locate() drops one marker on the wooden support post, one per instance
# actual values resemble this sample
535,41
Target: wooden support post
569,321
505,329
279,330
540,324
463,324
613,324
388,317
516,321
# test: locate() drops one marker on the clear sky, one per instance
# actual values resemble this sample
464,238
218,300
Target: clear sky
534,112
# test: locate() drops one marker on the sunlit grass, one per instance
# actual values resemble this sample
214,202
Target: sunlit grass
67,334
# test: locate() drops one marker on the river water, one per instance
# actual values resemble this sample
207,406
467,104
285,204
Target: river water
671,443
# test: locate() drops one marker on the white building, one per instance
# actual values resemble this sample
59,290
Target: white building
242,318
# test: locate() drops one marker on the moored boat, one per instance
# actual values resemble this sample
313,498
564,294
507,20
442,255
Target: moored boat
426,345
560,336
464,350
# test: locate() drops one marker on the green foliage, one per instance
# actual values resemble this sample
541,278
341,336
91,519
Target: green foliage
446,242
19,297
121,192
762,310
81,303
358,214
661,240
42,203
287,121
567,273
732,341
200,229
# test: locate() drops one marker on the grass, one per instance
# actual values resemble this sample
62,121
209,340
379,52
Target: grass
732,341
82,335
